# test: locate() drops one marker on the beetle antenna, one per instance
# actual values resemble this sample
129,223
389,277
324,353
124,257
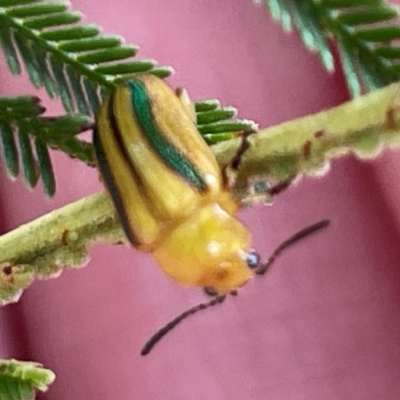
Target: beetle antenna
262,269
218,299
177,320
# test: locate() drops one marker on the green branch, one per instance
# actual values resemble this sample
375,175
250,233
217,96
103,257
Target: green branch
306,145
41,249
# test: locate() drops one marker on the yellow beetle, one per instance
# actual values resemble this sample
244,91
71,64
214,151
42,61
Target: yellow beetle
169,191
167,187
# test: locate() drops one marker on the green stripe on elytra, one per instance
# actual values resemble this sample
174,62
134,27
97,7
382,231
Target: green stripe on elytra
168,153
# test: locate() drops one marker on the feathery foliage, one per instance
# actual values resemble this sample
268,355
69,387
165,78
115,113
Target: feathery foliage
75,62
22,128
366,31
20,380
217,123
69,59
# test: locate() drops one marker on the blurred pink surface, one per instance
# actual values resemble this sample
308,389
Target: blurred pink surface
323,325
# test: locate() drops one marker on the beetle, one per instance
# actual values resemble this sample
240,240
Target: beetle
171,195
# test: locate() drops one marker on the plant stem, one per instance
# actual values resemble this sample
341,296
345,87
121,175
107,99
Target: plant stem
41,248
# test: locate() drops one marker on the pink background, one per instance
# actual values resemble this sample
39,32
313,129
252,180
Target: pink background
324,325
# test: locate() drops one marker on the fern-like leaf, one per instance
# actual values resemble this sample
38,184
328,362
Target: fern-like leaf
367,32
217,123
69,59
20,120
74,61
19,380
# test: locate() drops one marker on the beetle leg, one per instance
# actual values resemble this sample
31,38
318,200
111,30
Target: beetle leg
230,171
259,191
280,187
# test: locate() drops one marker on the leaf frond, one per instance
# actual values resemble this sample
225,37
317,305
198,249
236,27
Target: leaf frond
76,63
217,124
62,55
19,380
367,33
26,134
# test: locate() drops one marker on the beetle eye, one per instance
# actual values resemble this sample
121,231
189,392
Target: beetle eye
253,259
